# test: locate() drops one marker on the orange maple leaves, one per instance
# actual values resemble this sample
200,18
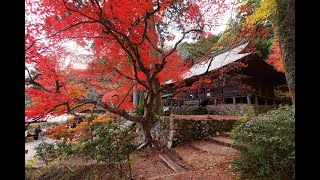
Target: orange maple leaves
274,57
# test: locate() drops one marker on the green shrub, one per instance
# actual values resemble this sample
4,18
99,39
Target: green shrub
112,144
266,145
46,151
30,163
140,107
63,149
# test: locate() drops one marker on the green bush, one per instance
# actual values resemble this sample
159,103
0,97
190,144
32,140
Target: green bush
30,163
46,151
63,149
112,144
140,107
266,145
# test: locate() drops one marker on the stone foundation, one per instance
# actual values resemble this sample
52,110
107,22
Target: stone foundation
222,109
173,130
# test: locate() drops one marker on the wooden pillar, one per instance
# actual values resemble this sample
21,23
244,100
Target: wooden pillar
249,99
260,87
256,100
215,101
266,101
234,100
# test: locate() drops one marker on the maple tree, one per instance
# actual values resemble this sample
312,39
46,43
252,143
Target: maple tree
274,57
129,52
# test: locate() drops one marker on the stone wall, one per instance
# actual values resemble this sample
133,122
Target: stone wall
171,131
258,109
222,109
228,109
189,110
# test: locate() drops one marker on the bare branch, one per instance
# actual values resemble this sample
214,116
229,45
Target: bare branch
34,120
119,72
65,5
179,41
130,78
123,113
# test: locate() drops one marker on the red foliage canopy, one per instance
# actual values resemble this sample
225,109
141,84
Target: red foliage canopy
129,39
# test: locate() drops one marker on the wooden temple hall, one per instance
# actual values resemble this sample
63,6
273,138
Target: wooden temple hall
259,78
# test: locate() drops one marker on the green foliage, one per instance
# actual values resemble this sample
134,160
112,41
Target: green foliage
202,47
140,107
282,94
29,164
266,144
112,144
90,118
49,124
262,45
63,149
27,101
46,151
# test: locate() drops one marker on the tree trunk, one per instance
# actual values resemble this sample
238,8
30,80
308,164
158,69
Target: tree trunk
135,96
134,92
286,29
157,99
146,129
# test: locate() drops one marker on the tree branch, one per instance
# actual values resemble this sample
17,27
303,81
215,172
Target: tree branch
126,95
130,78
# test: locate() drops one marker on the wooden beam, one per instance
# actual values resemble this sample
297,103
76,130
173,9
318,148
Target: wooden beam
249,99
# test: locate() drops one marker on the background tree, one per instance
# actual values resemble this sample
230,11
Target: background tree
283,14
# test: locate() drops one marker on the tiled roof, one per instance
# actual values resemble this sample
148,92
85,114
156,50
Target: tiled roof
215,62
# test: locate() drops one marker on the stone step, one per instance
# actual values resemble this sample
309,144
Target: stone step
204,156
214,148
226,134
221,140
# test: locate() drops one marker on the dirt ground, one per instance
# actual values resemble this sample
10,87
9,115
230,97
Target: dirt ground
203,160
